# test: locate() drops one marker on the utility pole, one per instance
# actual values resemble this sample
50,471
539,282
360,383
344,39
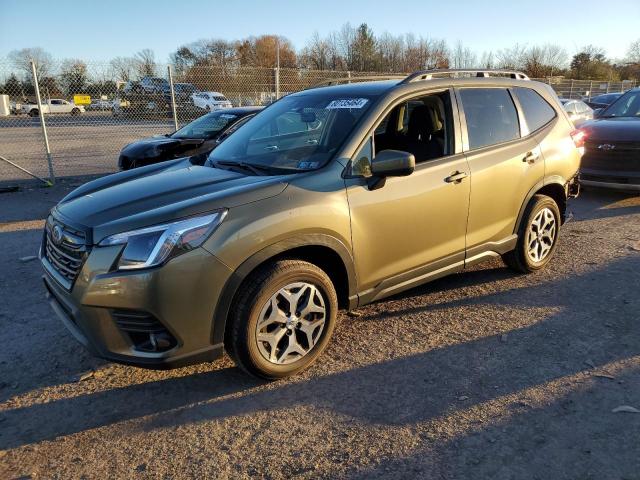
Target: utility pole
277,68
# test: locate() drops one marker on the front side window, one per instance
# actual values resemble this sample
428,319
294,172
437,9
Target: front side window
299,132
537,112
422,126
491,116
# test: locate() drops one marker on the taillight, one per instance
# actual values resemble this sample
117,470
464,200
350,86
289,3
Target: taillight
578,137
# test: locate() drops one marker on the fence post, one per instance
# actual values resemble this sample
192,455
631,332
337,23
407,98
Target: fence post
52,177
571,90
349,75
590,89
277,81
173,98
607,91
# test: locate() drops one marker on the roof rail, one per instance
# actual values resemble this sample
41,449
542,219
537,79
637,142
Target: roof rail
335,81
452,72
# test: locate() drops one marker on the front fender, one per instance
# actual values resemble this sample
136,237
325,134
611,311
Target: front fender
223,306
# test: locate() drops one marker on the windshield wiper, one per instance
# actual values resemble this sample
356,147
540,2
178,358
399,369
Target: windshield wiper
251,167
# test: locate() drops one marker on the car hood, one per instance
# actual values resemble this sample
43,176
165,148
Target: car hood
620,129
155,144
159,193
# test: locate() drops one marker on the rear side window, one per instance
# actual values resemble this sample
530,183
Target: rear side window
537,112
491,116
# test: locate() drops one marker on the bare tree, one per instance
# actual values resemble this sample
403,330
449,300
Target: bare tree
462,57
123,67
73,76
146,63
511,58
317,53
21,60
487,60
633,53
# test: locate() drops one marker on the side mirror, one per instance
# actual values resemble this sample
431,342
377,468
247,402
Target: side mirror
390,163
393,163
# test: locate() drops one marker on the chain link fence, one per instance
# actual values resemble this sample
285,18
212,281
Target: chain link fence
92,110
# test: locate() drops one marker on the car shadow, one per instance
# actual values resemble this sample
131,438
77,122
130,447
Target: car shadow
403,391
601,203
569,436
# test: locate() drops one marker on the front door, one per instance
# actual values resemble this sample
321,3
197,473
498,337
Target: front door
412,227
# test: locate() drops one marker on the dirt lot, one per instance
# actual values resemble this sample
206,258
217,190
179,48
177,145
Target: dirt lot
486,374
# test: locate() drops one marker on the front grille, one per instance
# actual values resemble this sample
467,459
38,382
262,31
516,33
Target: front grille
65,254
621,156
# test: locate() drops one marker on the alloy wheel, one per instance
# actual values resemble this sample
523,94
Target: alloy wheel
541,235
291,323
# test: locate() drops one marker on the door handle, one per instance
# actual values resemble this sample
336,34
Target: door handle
271,148
531,157
456,177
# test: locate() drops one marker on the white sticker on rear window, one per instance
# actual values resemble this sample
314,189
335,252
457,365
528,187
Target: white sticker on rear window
347,103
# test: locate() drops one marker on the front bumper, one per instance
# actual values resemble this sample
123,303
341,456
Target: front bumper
181,296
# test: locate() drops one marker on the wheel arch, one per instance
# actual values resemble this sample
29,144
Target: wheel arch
555,189
325,251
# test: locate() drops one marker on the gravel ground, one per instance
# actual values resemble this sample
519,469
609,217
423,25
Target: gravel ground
485,374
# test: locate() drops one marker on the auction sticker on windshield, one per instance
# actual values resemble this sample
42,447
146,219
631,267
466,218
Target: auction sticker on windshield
347,103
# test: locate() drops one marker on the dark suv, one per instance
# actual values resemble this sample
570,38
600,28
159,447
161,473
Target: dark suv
329,198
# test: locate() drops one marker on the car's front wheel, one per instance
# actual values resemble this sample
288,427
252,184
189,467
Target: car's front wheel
537,236
282,319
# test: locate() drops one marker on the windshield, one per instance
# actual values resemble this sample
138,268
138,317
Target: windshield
628,105
207,126
300,132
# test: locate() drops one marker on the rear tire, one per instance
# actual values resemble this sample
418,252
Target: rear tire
75,112
537,236
282,319
33,112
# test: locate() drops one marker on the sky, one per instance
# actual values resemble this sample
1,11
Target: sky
101,30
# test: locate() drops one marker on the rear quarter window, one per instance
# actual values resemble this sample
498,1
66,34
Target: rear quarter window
491,116
537,112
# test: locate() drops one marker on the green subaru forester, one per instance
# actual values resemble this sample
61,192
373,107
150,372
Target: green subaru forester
330,198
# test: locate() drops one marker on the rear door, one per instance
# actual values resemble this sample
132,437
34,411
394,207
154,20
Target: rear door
505,164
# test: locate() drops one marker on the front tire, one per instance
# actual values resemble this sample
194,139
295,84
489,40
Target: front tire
282,319
75,112
33,112
537,236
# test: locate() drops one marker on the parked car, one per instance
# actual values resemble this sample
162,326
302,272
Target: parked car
182,92
612,147
153,85
132,87
196,138
578,111
53,106
100,104
603,101
210,101
330,198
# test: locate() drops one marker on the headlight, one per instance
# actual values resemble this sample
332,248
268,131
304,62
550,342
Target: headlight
151,246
